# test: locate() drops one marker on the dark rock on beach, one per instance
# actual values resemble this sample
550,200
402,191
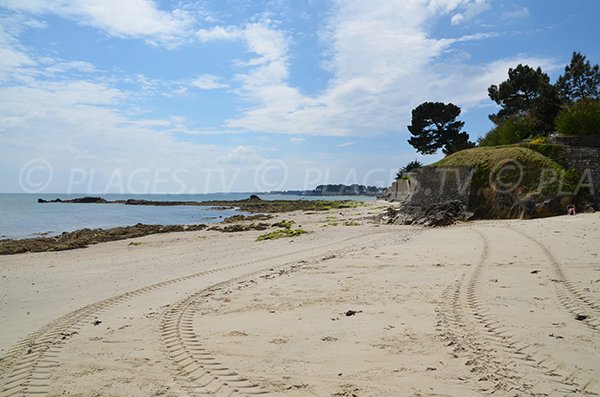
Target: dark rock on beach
437,214
85,237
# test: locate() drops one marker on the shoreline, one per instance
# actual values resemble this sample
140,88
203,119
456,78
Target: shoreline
253,204
82,238
350,307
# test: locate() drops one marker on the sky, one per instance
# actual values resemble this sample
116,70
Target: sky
141,96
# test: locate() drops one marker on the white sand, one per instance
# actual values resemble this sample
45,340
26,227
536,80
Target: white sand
476,309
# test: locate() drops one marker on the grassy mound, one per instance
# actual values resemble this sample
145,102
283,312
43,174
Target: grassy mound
516,181
507,167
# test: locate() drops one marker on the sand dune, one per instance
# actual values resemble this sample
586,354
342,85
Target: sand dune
351,309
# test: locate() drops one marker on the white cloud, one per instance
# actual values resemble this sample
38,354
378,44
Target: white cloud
297,139
241,155
12,55
346,144
207,82
470,10
118,18
72,66
219,33
82,128
516,14
383,61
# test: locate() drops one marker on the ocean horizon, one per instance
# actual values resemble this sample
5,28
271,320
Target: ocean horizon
21,216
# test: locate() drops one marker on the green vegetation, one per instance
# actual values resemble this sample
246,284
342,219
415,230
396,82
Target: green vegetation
281,233
500,167
581,118
527,91
539,140
241,218
531,105
434,126
135,243
513,130
580,80
412,166
240,227
352,223
284,224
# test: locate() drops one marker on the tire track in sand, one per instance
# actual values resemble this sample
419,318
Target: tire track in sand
573,299
498,357
198,369
27,367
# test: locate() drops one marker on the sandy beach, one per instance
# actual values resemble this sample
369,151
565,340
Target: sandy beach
352,308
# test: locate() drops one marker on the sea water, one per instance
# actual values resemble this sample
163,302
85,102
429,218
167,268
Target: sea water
21,216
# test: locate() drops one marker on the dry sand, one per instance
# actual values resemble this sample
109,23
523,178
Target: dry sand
351,309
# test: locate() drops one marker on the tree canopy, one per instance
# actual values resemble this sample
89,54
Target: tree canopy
411,166
580,118
526,91
580,80
434,126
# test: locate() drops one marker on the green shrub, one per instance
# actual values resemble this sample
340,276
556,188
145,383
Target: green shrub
512,130
539,140
581,118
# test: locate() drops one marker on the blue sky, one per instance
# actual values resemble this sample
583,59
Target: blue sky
140,96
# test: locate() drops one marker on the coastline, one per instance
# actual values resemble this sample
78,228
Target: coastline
82,238
351,307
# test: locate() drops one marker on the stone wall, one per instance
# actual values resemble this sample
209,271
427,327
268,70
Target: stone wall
400,190
586,160
442,184
438,185
583,154
585,141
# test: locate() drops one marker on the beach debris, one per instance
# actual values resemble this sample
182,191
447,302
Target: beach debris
329,339
301,386
347,391
534,271
97,322
556,336
352,312
581,317
65,335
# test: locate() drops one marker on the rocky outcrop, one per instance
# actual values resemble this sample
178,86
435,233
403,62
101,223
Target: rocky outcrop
252,204
80,200
85,237
506,182
436,214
